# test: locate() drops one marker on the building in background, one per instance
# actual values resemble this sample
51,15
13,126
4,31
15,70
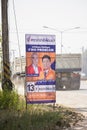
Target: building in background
15,65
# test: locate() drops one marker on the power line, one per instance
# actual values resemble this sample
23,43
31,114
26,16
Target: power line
17,35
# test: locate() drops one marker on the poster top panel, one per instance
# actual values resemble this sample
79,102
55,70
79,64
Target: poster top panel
40,39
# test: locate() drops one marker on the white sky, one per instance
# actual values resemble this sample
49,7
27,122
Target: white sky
32,15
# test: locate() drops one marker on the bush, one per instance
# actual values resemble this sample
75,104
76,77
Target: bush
9,100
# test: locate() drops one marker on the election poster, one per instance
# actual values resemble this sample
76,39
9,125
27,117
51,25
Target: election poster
40,68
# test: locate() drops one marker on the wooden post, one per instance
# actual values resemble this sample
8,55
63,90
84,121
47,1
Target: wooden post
6,82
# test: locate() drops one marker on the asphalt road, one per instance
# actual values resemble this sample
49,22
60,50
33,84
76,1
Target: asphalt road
74,98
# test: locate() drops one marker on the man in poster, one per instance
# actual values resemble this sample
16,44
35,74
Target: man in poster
33,68
47,73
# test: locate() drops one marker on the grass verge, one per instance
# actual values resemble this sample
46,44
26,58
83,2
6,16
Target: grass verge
36,117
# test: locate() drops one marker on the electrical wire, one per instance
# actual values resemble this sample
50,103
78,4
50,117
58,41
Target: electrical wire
17,35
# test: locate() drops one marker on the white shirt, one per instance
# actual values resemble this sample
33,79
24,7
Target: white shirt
35,69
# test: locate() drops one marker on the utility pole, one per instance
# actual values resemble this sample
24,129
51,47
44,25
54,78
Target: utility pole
6,74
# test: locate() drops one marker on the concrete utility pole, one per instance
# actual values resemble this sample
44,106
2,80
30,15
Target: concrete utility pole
6,82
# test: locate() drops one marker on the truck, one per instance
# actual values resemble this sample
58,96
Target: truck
68,69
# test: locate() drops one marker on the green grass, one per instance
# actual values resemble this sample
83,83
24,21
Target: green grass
36,117
9,100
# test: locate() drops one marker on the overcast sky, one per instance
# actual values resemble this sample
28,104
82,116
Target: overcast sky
32,15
